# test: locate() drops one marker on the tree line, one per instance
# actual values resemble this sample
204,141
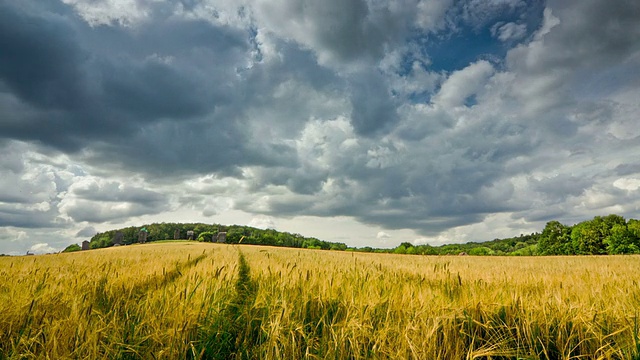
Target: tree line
205,232
610,234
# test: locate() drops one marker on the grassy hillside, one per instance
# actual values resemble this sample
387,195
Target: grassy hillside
215,301
611,234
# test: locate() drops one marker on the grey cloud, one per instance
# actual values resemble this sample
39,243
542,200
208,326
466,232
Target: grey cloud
40,60
154,90
340,32
24,219
374,109
29,218
300,180
176,150
613,30
116,192
86,232
429,193
559,187
108,204
627,169
98,213
28,190
126,89
479,13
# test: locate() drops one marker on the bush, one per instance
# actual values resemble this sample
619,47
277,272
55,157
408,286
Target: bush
206,236
72,248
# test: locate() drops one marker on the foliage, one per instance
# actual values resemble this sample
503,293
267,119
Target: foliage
623,239
555,239
206,236
610,234
602,235
72,248
204,232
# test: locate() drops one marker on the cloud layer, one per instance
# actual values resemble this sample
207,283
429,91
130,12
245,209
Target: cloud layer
429,121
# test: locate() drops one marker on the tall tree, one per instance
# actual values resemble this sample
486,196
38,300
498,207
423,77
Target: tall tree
621,241
592,237
555,239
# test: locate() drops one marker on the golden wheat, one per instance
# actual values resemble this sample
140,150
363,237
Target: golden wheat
200,300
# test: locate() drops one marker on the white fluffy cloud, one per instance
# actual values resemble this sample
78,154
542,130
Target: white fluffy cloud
509,31
462,84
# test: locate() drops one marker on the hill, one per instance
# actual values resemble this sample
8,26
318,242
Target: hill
610,234
204,232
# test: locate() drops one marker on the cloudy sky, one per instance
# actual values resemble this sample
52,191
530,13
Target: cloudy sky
367,122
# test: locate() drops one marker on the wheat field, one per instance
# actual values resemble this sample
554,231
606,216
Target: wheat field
188,300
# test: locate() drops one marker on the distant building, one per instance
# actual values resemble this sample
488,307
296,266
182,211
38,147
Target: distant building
190,235
222,237
142,235
118,238
85,245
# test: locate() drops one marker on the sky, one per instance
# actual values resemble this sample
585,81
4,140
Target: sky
366,122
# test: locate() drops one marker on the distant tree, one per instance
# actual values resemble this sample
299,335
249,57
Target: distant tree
613,219
633,226
481,250
592,236
586,238
401,249
101,240
72,248
622,241
526,251
206,236
555,239
338,247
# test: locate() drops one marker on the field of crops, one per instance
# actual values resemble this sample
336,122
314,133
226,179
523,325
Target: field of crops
202,300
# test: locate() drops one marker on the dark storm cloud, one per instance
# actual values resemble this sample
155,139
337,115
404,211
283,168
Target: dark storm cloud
153,90
557,188
40,60
83,92
613,30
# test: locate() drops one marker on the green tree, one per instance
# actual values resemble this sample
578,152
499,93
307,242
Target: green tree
591,237
622,241
401,249
206,236
481,250
633,226
72,248
586,239
555,239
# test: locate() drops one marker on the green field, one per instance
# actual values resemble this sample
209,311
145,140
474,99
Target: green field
201,300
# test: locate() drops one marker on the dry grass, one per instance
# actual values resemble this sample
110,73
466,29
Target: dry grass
200,300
